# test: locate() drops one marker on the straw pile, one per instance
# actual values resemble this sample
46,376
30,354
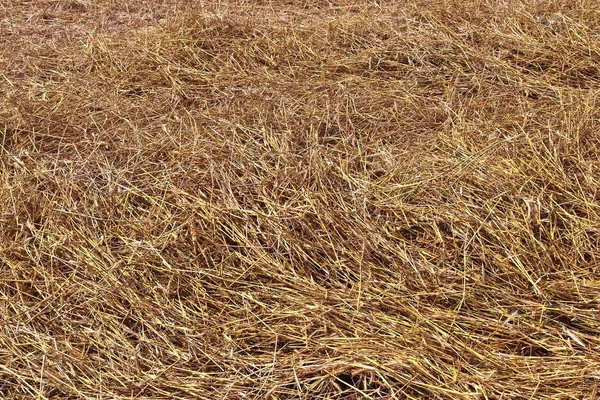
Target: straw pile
299,200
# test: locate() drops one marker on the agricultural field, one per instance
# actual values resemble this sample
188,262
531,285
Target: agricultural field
333,200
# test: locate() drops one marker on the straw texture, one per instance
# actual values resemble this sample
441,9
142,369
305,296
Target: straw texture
299,200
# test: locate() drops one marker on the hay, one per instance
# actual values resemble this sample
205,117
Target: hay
325,200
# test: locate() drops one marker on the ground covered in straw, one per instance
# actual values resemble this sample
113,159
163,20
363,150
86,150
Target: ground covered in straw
299,200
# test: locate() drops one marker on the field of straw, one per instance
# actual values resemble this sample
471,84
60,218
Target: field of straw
299,199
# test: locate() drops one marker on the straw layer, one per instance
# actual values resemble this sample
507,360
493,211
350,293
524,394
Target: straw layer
285,200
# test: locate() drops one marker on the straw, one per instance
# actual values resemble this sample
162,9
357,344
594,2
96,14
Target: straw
299,200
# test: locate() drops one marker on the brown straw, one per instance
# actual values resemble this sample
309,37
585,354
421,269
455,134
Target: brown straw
299,199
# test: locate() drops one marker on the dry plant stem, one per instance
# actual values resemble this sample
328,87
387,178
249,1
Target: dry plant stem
299,200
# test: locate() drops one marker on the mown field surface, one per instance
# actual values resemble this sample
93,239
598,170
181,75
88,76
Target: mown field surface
299,200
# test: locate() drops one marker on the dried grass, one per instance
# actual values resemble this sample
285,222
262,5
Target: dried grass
285,200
